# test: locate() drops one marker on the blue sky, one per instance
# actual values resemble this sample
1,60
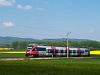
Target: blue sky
41,19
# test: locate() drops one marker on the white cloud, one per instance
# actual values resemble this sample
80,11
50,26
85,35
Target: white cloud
40,9
7,2
8,24
28,7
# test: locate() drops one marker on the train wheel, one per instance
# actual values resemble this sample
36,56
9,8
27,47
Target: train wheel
26,55
33,55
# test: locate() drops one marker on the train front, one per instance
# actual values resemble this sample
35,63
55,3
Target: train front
29,48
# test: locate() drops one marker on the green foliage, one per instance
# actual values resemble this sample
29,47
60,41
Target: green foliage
20,45
89,44
12,55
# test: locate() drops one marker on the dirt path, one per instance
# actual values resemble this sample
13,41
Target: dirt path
7,59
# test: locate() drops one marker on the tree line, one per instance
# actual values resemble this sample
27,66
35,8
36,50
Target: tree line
88,44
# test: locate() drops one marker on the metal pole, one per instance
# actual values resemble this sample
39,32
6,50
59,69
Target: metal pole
67,44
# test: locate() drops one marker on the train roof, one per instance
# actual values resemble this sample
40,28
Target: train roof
60,47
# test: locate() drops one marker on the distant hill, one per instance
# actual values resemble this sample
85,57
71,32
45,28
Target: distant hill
6,40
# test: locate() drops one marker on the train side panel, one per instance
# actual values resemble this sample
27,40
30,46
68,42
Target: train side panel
61,51
57,51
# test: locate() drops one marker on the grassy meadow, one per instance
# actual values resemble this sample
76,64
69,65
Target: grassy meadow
55,66
62,66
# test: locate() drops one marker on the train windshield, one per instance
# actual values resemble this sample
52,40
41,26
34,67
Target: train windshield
29,47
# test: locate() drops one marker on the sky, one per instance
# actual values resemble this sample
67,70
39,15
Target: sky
49,19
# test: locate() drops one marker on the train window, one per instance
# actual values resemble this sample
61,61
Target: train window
56,51
35,49
78,51
70,51
64,51
61,51
29,48
82,51
74,51
40,49
86,50
50,51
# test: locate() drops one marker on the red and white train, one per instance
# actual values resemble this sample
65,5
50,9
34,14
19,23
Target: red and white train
49,51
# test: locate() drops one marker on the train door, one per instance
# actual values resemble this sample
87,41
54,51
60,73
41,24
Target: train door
47,53
58,52
78,52
75,52
82,51
63,51
71,52
53,51
87,52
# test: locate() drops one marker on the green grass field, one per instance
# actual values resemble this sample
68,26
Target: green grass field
60,66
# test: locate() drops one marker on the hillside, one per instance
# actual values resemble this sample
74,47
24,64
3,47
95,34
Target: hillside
6,40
